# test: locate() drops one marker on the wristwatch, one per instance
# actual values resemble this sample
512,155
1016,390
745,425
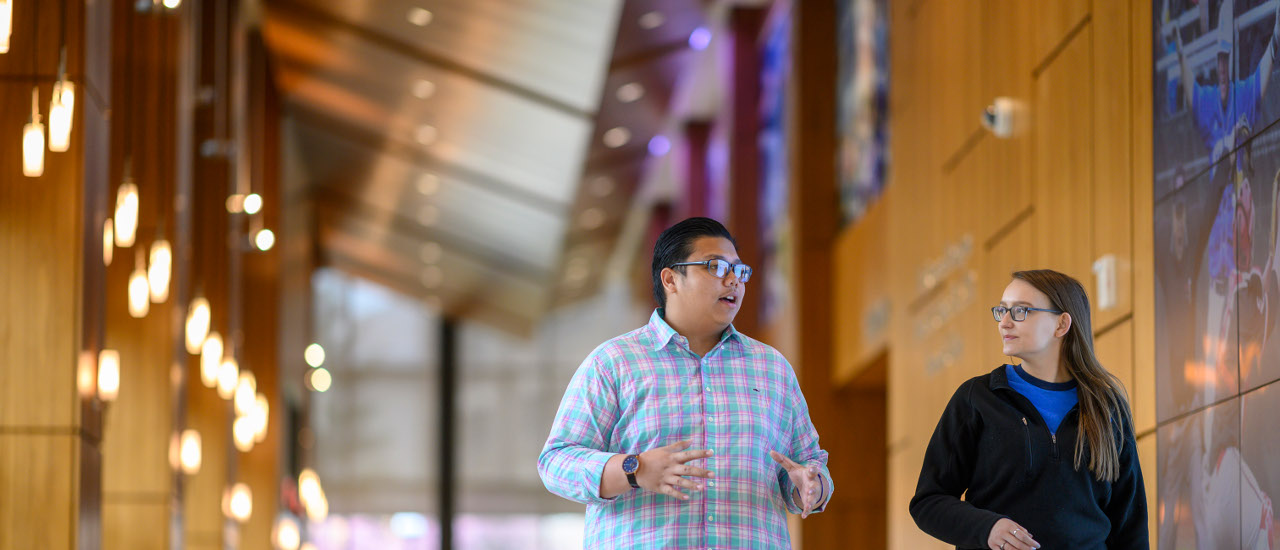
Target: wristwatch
630,465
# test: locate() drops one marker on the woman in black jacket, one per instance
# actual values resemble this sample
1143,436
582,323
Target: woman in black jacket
1043,452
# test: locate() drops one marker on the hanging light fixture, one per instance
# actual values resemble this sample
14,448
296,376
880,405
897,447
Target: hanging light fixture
108,241
62,108
198,316
286,534
243,432
127,208
139,289
237,502
158,274
228,374
6,24
33,140
108,374
261,415
210,360
190,452
246,390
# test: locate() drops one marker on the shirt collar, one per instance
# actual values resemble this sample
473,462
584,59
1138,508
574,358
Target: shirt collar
663,333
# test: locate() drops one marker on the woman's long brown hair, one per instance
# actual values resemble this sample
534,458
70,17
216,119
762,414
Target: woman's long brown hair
1105,417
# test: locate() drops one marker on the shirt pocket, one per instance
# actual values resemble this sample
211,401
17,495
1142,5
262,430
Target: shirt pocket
754,421
654,412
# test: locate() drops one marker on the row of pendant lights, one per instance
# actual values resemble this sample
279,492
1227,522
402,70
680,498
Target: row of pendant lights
149,283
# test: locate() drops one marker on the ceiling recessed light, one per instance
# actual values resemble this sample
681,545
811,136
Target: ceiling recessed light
431,252
616,137
591,218
601,186
426,134
659,145
432,276
423,89
428,215
651,20
700,38
419,17
428,184
629,92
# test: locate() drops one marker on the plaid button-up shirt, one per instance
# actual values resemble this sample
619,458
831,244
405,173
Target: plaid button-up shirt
647,389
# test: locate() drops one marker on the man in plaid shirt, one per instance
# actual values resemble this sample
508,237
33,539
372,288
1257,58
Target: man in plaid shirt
685,433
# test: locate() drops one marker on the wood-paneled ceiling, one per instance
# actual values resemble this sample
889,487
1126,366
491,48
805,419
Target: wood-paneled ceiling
458,150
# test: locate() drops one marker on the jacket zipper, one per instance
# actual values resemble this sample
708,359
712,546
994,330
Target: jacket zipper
1026,429
1054,437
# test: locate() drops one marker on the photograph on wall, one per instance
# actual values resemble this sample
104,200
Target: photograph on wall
1199,473
1257,163
775,167
862,95
1195,288
1259,471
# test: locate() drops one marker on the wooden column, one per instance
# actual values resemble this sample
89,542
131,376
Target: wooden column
744,152
815,221
49,271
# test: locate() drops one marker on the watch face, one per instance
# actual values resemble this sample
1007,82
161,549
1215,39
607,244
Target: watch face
630,464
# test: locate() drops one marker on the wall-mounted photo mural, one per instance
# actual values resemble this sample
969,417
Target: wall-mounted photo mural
862,96
1217,180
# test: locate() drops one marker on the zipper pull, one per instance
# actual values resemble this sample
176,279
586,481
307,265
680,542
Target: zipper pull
1024,421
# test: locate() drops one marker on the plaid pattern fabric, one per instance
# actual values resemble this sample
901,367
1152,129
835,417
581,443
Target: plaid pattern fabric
647,389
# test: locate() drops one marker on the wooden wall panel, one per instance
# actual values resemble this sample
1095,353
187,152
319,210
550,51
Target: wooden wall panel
1062,160
860,295
1053,22
1114,349
1113,158
135,523
38,500
40,267
1144,328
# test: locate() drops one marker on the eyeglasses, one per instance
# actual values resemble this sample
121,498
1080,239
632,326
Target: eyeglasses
1019,313
720,268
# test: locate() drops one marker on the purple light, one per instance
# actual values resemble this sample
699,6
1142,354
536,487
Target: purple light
659,145
700,38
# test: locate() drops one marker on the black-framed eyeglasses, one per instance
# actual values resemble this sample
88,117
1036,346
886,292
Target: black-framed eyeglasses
721,268
1019,313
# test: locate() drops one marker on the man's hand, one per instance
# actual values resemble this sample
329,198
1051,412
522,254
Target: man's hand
807,481
664,470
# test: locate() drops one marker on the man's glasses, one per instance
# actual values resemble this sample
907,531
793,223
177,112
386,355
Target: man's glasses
1019,313
720,268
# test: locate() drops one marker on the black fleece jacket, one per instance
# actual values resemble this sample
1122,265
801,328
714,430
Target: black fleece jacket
992,442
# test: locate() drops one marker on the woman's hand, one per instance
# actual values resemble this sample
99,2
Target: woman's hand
1007,535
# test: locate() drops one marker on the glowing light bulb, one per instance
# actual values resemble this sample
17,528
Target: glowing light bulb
197,325
246,390
314,355
190,452
243,431
108,241
108,374
158,273
33,140
6,24
264,240
252,203
261,415
139,290
237,503
211,360
228,375
126,213
62,109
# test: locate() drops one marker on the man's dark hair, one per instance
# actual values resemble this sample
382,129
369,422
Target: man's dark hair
676,243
